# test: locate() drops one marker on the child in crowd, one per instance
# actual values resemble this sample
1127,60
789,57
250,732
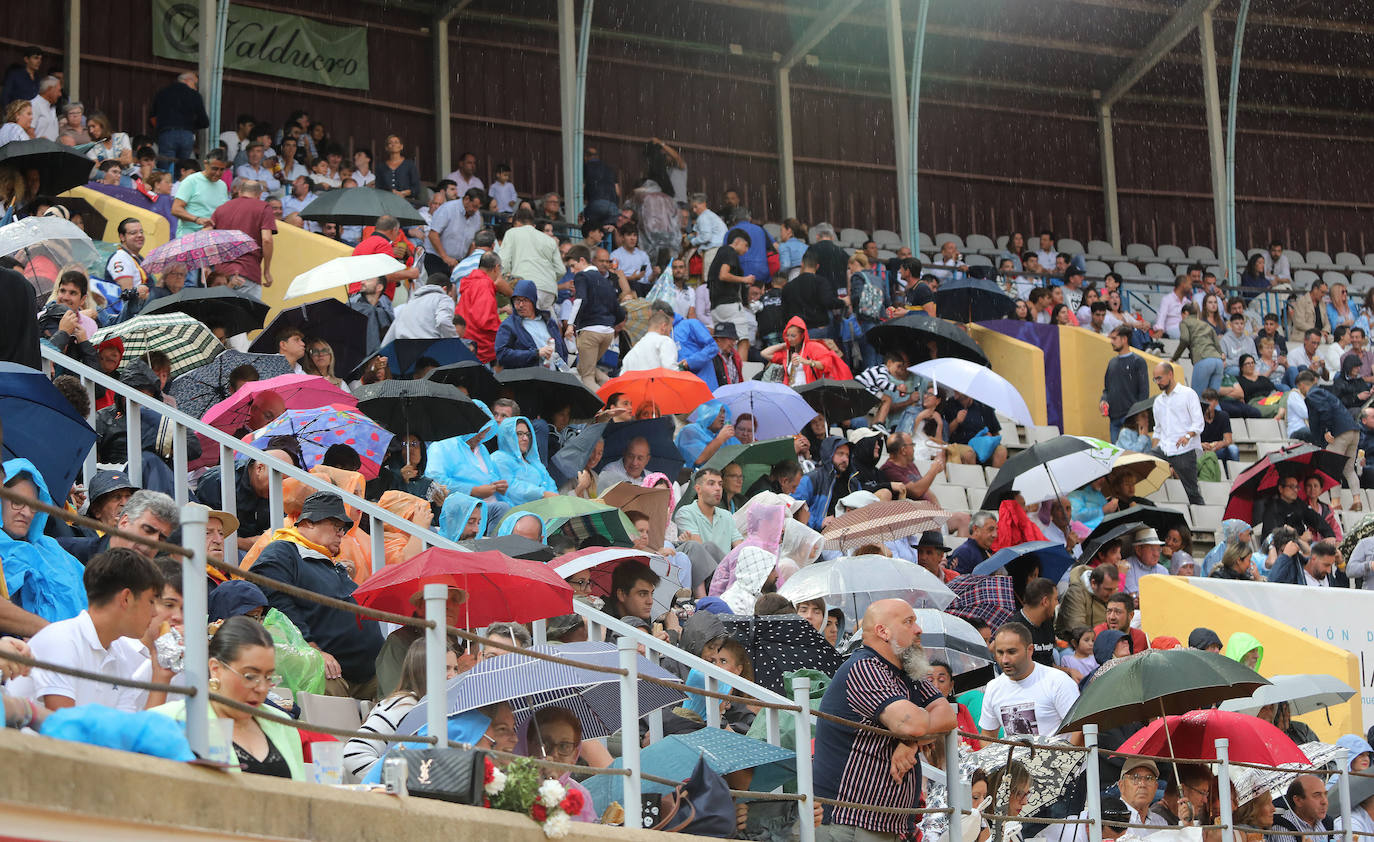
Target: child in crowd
1081,662
503,191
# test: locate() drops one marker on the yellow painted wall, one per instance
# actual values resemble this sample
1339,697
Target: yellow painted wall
156,231
1020,363
1171,606
1083,358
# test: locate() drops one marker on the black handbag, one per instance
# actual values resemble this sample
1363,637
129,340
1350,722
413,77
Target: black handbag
449,774
701,805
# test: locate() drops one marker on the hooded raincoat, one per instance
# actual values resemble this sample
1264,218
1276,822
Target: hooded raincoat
39,576
831,366
693,438
454,516
526,476
818,488
461,463
1241,644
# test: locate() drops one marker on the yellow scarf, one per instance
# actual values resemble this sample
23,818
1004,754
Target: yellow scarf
290,533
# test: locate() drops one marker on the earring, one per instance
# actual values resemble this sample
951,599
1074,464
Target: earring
214,685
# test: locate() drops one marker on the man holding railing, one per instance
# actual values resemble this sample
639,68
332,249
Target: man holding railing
882,684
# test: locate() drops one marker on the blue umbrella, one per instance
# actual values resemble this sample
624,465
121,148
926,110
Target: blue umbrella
529,684
675,756
664,457
404,354
42,427
1054,559
777,409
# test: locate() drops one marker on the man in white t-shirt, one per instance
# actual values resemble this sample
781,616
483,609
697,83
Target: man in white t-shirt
125,265
121,587
466,174
632,260
1027,698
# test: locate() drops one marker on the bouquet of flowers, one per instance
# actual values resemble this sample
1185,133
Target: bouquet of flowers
522,788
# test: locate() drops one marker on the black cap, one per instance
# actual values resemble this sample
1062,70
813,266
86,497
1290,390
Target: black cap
323,505
1115,812
108,482
725,330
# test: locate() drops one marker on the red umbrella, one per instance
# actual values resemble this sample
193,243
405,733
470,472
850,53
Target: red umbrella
669,392
499,588
1194,734
1262,478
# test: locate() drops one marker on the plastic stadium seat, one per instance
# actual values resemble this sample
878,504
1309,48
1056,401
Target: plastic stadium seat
1346,260
978,260
1319,260
952,497
1097,269
1139,251
1254,251
1207,518
853,237
1361,282
965,476
1266,429
991,474
978,242
1304,278
1043,432
1215,493
1160,271
1331,276
1171,253
1240,429
1002,241
1201,254
1369,260
774,229
941,239
1173,491
1235,469
330,710
1068,245
887,239
885,254
926,243
1101,248
1126,270
925,259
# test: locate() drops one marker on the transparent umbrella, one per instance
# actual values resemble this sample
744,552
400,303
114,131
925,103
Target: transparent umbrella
854,582
45,246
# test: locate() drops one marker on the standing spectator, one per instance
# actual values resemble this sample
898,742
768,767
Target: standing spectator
656,349
503,191
1125,382
811,298
466,174
44,114
200,194
529,253
370,301
1296,404
477,305
452,229
251,216
708,231
791,246
21,82
1027,698
883,684
599,314
388,237
237,138
601,187
397,173
254,169
1331,425
178,113
729,289
755,260
1178,429
1200,340
832,262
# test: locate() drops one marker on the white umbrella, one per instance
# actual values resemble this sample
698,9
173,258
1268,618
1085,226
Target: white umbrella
1249,783
853,582
980,383
608,558
342,271
58,239
1304,693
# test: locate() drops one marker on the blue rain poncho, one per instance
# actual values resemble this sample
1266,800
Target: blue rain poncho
693,438
526,476
507,526
454,464
41,577
453,517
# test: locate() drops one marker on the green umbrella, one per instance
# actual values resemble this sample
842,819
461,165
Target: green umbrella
579,519
1159,683
757,459
360,206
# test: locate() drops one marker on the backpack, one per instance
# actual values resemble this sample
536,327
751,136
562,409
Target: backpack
869,299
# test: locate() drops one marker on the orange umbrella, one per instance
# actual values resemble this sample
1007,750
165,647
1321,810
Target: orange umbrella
669,392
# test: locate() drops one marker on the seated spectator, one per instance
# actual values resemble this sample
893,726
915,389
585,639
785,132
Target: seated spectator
978,547
251,495
40,577
517,459
360,753
630,467
706,519
803,359
120,587
464,516
529,337
1216,430
1253,395
510,634
108,493
968,419
304,556
555,733
707,430
404,470
151,514
897,389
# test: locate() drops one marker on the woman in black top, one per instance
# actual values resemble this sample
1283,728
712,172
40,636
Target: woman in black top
1239,400
1349,386
397,173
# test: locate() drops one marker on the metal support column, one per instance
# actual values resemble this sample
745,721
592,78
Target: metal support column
567,101
1228,262
918,52
436,642
71,62
196,663
896,71
787,169
205,68
443,126
1212,100
1107,146
584,44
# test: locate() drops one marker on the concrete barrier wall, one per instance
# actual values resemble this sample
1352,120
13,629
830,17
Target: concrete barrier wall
1173,606
156,231
1083,358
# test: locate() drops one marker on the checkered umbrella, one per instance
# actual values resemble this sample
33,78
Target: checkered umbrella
188,344
200,250
987,598
881,522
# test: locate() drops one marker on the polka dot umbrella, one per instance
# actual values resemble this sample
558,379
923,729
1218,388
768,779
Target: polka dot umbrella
320,428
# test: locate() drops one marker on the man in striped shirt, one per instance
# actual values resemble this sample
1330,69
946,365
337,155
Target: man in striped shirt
882,684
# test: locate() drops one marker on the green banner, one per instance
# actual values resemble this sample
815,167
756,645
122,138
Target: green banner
273,43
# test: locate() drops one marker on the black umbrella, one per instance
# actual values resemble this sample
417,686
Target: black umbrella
59,167
515,546
1119,524
1147,405
781,643
664,456
344,328
914,333
201,388
541,392
423,408
403,355
1050,469
215,307
360,206
970,299
471,376
838,399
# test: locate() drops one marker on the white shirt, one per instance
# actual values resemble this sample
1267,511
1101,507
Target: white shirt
290,171
1170,312
465,184
11,132
632,262
74,643
44,118
1177,413
1047,259
1331,353
1297,412
1034,705
1079,832
1311,582
364,179
654,350
504,194
258,173
232,143
124,265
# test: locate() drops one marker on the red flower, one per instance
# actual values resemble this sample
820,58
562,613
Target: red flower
572,803
538,813
486,802
489,771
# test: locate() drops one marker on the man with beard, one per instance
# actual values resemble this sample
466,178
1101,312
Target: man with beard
1027,698
883,684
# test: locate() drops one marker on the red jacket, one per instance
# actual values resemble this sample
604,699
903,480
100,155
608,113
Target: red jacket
832,366
377,243
477,306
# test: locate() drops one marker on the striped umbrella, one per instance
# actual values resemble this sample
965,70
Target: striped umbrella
188,344
881,522
529,684
200,250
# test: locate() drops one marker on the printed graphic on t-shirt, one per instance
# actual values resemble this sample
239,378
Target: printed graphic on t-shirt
1020,719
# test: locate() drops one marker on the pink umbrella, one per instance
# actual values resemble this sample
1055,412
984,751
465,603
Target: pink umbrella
297,391
200,250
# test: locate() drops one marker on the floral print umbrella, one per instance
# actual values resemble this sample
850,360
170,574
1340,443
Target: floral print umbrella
318,429
200,250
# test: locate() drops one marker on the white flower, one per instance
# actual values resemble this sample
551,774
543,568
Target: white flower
551,792
558,825
498,783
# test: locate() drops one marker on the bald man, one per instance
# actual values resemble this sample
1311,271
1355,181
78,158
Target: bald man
883,684
1178,428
